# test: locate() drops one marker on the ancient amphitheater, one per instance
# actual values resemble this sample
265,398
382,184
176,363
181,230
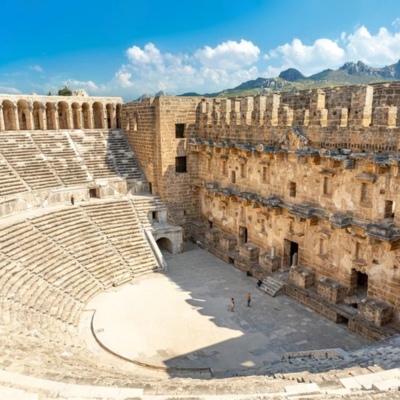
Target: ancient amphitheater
110,210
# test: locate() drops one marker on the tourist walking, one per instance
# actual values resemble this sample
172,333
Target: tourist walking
232,304
248,299
72,199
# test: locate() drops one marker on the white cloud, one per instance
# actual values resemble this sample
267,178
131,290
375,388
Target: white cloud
396,22
150,55
229,55
148,69
123,78
322,54
90,86
9,90
375,50
206,69
36,68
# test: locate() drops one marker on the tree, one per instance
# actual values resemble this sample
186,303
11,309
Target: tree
65,91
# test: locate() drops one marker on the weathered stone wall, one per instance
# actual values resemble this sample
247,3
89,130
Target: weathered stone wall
138,123
313,173
157,147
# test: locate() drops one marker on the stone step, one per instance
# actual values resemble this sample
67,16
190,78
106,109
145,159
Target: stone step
272,286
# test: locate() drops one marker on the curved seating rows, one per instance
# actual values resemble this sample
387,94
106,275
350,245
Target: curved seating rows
33,160
54,261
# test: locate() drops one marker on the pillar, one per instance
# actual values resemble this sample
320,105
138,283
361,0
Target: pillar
70,123
30,116
16,119
2,125
113,116
81,119
43,118
91,117
55,115
104,124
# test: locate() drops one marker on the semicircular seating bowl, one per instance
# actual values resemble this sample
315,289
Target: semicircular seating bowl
53,260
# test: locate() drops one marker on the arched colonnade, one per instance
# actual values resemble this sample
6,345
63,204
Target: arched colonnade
57,112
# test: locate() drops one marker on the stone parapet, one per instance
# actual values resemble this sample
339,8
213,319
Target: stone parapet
375,311
331,290
301,277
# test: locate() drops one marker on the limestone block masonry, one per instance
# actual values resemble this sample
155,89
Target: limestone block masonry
313,175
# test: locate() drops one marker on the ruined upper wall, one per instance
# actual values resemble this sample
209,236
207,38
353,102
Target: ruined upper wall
31,98
351,116
35,112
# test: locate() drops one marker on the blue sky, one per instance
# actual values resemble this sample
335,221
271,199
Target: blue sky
128,47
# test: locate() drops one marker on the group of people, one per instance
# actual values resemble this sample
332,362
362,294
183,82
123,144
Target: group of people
233,302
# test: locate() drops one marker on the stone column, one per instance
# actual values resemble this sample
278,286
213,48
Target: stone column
70,122
113,116
81,119
91,117
16,118
55,115
2,125
104,122
30,116
43,118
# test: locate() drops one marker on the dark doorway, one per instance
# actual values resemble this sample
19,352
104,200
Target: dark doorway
93,193
362,285
294,249
289,250
165,244
389,209
242,235
154,216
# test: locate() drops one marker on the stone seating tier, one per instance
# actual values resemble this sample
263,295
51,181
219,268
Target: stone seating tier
54,263
33,160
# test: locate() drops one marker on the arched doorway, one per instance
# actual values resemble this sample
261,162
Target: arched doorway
9,116
63,115
24,115
37,115
165,244
86,116
98,115
51,116
118,116
76,116
110,112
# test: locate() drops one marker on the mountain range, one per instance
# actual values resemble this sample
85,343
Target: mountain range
291,80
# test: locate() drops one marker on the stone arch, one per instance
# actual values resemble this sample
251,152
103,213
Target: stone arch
86,116
110,115
37,116
165,243
169,239
98,115
118,116
63,110
76,116
9,116
24,115
51,110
